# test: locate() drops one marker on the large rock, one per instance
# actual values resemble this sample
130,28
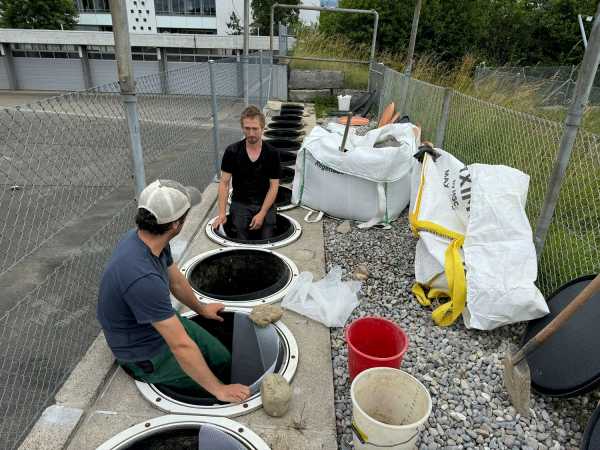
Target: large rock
307,95
276,395
316,79
263,315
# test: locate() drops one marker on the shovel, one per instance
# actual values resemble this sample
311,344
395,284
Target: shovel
517,378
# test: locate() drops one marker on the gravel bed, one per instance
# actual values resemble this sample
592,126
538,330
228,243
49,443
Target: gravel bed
461,368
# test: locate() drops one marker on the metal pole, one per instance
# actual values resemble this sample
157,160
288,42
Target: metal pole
585,80
272,27
246,45
582,29
441,129
11,74
260,81
85,67
413,38
373,45
127,84
215,114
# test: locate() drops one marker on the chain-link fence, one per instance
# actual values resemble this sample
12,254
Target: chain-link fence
67,196
551,88
476,131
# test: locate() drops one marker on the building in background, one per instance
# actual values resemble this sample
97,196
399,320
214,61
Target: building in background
329,3
172,16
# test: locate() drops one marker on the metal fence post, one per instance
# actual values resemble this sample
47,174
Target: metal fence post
127,84
260,76
215,115
585,80
443,123
240,76
404,93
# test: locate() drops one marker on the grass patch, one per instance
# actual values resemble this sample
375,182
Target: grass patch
324,104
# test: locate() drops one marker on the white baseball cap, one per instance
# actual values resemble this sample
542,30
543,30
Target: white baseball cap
168,200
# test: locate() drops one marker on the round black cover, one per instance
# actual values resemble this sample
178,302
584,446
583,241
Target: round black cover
283,230
185,438
284,144
567,364
287,175
294,106
291,135
284,197
287,118
591,436
240,275
287,158
287,125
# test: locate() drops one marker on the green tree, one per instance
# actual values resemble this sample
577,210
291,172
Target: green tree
261,15
234,25
38,14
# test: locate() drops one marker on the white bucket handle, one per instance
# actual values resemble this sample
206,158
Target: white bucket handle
356,432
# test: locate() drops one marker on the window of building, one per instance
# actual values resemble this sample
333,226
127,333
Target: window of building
93,6
144,54
189,54
185,7
101,52
45,51
188,30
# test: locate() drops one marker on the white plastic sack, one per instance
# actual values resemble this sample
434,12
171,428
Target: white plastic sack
329,300
474,217
366,183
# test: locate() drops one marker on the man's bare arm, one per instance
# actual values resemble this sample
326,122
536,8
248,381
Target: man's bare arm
192,362
223,197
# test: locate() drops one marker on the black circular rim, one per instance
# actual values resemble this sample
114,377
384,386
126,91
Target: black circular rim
292,106
285,126
280,237
576,390
284,144
287,158
297,118
287,175
586,440
285,134
275,287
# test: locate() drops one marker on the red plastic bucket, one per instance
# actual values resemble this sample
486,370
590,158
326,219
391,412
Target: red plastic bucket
374,342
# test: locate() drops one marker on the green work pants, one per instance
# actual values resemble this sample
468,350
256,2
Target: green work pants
164,368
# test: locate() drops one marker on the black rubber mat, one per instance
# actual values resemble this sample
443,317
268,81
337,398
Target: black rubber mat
568,363
284,144
591,436
292,135
286,125
297,118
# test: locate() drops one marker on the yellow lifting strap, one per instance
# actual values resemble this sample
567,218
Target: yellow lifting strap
446,314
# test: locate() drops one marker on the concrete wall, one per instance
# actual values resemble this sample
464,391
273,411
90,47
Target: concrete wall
3,75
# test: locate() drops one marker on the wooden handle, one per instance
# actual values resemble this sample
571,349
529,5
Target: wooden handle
557,323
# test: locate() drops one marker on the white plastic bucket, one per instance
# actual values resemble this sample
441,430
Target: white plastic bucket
344,102
388,407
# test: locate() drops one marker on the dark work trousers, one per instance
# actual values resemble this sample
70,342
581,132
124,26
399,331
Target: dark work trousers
241,215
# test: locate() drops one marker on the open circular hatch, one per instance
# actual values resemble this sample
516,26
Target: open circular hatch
255,352
292,107
287,230
283,201
184,432
286,125
284,144
292,135
240,277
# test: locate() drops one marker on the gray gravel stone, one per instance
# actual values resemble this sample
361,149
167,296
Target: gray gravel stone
462,369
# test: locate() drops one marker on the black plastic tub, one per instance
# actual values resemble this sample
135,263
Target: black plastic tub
284,144
287,175
291,135
240,275
287,158
284,197
287,125
287,118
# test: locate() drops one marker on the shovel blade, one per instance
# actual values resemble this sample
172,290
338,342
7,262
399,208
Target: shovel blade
517,380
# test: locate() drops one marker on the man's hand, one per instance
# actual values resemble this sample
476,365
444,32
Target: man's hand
211,311
220,220
232,393
257,221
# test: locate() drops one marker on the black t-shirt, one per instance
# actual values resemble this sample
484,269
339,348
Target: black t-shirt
251,179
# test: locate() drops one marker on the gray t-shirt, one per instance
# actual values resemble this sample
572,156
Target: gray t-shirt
134,293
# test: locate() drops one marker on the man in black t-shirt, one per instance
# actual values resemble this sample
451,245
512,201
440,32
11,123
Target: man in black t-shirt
255,169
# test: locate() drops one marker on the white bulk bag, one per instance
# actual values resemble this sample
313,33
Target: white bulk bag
474,218
365,183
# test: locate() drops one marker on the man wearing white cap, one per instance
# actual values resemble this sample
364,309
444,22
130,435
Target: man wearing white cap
148,338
